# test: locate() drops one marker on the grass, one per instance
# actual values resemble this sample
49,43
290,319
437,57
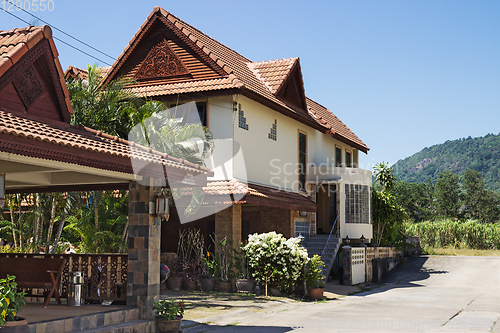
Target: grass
451,251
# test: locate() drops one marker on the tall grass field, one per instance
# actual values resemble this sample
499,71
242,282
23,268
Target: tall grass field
455,234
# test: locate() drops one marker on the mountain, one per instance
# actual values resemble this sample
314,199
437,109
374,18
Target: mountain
481,154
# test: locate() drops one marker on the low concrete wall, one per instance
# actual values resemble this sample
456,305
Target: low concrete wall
382,266
414,248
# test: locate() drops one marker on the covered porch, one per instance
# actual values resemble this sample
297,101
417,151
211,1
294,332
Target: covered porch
235,209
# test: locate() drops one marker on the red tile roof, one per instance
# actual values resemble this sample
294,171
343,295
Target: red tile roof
84,146
255,79
273,72
151,90
79,73
16,42
336,127
217,192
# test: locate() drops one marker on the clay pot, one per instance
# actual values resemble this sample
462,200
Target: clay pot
316,294
19,326
207,284
174,283
223,287
163,325
189,285
244,285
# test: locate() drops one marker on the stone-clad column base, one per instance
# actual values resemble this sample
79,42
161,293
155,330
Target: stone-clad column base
143,279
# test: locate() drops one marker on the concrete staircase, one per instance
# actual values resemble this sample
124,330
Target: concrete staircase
317,243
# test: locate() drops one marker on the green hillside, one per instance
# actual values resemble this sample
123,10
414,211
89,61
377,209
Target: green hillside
481,154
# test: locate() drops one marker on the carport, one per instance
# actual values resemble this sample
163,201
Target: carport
41,152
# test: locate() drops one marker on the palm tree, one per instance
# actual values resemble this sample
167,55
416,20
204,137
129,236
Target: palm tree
112,110
157,128
69,205
102,108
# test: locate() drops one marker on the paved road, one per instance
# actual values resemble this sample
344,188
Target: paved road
427,294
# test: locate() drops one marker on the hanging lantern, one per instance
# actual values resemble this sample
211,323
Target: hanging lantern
161,209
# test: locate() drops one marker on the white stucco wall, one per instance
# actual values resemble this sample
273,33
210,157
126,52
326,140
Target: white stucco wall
341,177
251,155
275,163
220,123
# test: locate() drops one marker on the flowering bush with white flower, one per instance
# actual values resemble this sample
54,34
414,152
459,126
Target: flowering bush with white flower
275,259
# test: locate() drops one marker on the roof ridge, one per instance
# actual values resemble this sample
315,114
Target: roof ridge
201,32
274,60
189,34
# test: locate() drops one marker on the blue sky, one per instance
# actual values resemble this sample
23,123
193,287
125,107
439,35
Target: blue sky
402,74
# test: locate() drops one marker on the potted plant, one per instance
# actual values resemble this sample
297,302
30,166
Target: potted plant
191,271
168,315
244,282
314,278
11,302
207,280
190,250
174,281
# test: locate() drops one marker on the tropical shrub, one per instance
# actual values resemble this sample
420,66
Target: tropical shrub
314,273
275,259
11,300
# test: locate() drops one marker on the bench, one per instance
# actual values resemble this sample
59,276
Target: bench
35,273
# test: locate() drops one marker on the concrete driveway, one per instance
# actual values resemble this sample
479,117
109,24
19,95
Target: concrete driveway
426,294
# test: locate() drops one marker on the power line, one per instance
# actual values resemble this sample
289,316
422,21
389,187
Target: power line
78,40
60,40
76,48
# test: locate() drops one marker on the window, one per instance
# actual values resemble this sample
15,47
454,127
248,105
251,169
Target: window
348,162
242,121
357,203
304,229
302,160
273,134
190,113
338,156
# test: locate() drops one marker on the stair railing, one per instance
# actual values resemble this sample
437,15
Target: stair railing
327,248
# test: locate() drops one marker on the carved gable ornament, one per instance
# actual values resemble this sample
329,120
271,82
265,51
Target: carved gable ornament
28,85
161,62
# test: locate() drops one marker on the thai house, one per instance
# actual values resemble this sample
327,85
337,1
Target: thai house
281,161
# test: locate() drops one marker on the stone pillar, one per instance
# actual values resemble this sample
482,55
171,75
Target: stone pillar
143,279
228,223
236,230
347,265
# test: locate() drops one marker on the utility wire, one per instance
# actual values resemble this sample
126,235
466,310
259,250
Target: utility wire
76,48
60,40
78,40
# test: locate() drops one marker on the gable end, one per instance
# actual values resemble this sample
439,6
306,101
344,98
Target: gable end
291,90
159,38
35,81
161,62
